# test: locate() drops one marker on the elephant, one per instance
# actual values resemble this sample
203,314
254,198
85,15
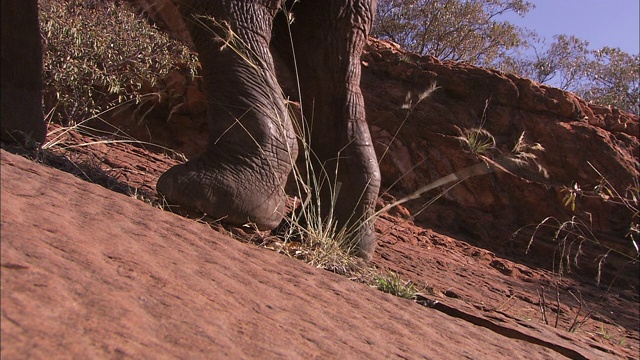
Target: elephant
240,178
21,82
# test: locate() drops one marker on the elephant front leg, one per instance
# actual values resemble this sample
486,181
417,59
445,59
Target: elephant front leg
241,176
21,80
328,40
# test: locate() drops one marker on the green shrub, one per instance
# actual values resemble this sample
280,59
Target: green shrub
97,54
394,285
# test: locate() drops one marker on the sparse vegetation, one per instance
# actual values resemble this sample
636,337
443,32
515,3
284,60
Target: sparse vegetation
523,153
576,323
393,284
318,243
571,234
98,54
478,140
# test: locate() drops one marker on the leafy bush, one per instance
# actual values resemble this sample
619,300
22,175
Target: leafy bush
97,54
606,76
472,31
451,29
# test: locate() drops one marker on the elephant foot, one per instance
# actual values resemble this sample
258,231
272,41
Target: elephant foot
366,242
22,119
232,197
361,231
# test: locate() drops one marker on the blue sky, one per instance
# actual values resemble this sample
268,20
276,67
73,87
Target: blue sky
614,23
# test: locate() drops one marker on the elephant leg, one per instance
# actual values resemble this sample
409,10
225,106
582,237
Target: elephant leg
21,81
328,38
241,176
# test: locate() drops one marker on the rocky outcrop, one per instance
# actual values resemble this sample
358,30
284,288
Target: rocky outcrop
166,16
577,138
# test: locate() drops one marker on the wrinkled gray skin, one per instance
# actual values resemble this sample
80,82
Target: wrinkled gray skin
241,176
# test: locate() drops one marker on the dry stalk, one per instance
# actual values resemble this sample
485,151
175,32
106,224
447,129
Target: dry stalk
543,305
575,324
557,305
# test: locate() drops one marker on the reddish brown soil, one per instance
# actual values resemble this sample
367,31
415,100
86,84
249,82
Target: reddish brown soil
89,272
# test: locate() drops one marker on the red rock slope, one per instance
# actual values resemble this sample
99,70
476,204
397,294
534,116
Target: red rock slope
578,139
90,273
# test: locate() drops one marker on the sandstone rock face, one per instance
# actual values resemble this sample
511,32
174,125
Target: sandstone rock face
575,136
89,273
166,16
